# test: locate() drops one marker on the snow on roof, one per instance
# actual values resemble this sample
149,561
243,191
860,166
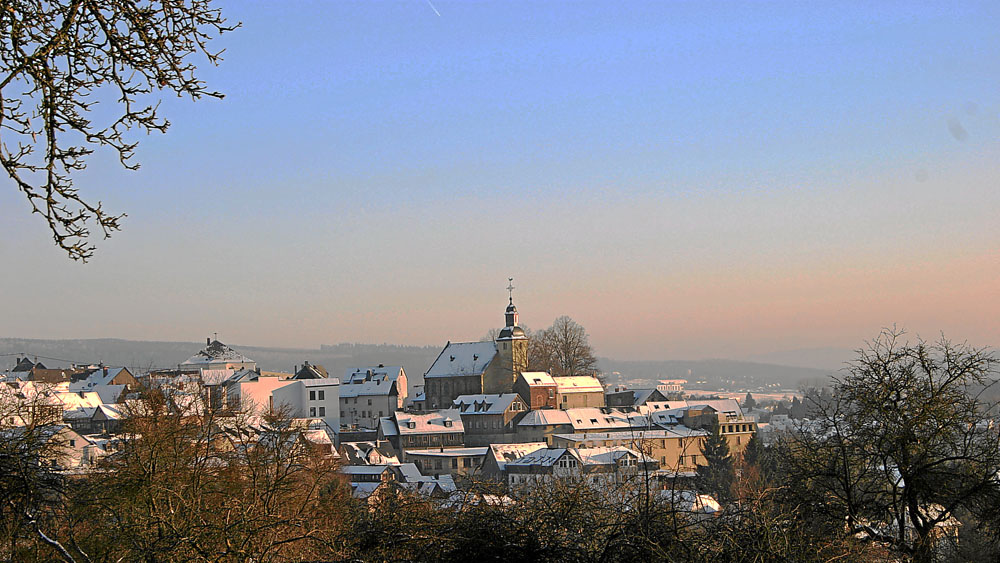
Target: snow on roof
96,377
690,501
360,375
370,381
608,455
364,490
676,432
488,404
503,453
111,412
544,457
587,418
578,384
319,382
449,452
442,421
216,376
364,469
109,393
387,427
537,378
216,352
463,358
545,417
81,399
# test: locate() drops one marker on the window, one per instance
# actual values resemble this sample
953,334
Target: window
380,415
72,443
312,411
454,463
321,395
437,464
312,395
369,402
466,462
322,411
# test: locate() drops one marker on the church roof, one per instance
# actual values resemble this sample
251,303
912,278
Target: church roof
214,352
511,333
463,358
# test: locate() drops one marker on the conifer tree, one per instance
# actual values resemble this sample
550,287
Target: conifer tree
716,477
749,403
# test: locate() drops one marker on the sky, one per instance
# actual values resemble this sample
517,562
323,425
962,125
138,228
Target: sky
684,179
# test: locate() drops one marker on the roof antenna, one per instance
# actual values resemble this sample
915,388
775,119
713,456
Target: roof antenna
510,289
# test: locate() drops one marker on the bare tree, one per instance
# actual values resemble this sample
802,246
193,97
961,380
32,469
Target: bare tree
57,60
562,349
906,441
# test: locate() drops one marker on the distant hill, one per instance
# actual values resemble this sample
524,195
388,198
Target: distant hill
831,359
717,374
143,355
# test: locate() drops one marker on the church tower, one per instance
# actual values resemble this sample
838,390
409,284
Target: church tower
512,347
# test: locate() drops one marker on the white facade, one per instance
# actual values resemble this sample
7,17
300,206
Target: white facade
311,398
368,394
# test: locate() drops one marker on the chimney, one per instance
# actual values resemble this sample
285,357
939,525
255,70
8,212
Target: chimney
208,341
105,371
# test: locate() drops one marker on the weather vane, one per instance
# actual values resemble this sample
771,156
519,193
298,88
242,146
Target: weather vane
510,289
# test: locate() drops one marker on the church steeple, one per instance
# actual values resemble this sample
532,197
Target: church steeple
510,330
511,315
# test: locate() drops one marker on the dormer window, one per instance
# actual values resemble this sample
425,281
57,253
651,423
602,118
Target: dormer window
411,425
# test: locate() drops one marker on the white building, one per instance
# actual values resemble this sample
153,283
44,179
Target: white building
368,394
310,398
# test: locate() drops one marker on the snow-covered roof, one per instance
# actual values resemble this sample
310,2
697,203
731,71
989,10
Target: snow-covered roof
675,432
360,375
593,418
216,352
100,376
608,455
578,384
387,427
216,376
537,378
463,358
503,453
545,417
370,381
449,452
488,403
442,421
544,457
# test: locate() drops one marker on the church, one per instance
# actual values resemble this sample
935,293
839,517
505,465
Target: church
472,368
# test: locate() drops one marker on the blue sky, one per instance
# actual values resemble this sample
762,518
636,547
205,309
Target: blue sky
686,179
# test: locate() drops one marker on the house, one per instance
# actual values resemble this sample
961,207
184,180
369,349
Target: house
541,425
537,389
218,356
677,449
310,398
574,391
490,419
451,461
597,465
630,398
310,371
671,386
469,368
368,453
370,393
498,455
102,376
54,445
412,431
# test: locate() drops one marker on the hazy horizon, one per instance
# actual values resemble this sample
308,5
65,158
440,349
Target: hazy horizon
684,180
